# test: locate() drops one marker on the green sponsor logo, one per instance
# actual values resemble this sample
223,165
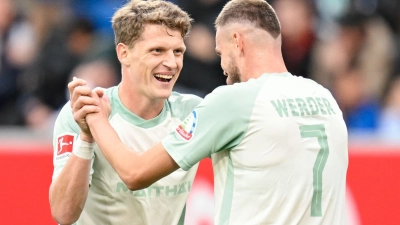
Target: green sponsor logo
157,191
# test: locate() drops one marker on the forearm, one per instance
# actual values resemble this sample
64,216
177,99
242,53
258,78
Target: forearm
124,160
136,170
68,192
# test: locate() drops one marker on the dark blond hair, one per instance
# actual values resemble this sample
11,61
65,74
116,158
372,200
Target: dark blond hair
129,21
257,12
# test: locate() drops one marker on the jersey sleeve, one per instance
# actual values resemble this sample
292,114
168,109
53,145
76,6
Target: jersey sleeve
66,131
218,123
182,104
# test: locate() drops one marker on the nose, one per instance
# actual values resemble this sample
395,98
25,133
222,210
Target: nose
170,60
225,73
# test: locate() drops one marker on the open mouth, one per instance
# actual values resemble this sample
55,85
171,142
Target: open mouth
163,78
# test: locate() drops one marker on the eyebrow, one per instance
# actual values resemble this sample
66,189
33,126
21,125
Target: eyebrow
181,48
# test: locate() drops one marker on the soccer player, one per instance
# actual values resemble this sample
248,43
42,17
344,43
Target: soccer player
278,142
149,37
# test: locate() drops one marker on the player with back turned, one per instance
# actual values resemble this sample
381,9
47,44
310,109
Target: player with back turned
278,142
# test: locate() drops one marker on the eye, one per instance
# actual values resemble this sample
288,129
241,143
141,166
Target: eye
157,50
178,51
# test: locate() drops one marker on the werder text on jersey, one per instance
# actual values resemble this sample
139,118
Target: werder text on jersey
309,106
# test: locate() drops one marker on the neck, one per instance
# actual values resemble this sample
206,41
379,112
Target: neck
262,61
138,103
260,53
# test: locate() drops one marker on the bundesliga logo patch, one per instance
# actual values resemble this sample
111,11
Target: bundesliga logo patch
186,129
65,144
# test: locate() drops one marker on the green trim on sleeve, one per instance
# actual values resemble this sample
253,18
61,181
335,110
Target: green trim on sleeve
182,218
228,195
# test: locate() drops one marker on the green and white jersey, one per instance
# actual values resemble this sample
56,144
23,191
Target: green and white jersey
279,148
109,200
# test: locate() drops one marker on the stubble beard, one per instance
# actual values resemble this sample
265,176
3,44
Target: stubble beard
234,72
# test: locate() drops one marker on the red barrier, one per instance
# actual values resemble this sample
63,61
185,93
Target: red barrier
374,181
26,169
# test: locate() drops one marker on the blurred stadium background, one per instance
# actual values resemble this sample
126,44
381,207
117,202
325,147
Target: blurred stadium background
352,47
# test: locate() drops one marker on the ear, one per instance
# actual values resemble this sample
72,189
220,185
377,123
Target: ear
238,42
123,53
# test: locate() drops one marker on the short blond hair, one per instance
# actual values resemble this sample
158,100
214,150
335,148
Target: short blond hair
128,22
257,12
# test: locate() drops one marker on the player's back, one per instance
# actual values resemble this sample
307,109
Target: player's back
290,167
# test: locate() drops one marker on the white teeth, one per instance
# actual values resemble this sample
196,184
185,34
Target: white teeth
164,76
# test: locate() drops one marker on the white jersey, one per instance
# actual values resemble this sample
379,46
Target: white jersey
279,148
109,200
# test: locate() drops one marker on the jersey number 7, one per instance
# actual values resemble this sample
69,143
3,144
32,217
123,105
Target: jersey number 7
318,131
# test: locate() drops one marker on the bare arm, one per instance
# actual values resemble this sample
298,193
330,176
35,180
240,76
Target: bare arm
136,170
68,192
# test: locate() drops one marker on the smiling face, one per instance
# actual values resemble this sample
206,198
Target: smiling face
154,62
224,48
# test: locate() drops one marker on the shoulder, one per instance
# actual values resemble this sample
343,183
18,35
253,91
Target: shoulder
183,99
250,86
112,94
299,80
236,93
111,91
65,120
66,112
181,105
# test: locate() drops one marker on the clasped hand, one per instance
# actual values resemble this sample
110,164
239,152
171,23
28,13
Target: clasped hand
87,105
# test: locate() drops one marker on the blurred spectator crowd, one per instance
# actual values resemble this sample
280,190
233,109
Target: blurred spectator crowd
352,47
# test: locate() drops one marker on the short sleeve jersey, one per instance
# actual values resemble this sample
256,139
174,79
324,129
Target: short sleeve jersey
109,200
279,148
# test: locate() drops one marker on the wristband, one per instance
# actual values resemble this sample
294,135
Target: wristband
83,149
